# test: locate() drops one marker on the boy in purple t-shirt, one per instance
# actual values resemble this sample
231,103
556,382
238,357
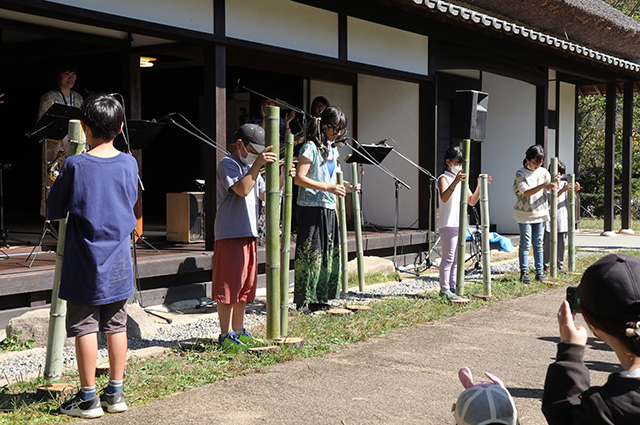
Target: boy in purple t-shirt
98,190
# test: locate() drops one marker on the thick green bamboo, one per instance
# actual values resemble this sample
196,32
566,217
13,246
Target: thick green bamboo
285,249
58,311
462,225
272,138
342,223
484,225
357,225
553,210
571,210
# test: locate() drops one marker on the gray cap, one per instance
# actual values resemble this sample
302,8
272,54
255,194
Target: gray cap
251,133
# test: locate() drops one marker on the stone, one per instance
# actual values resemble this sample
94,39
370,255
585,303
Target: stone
139,325
33,325
372,265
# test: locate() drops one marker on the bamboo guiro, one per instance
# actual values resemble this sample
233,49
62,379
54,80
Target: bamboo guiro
285,249
272,138
553,224
462,225
57,331
484,224
571,210
342,223
357,225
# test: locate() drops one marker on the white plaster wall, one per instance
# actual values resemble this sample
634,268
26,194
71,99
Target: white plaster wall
510,131
389,108
388,47
283,23
196,15
567,125
340,95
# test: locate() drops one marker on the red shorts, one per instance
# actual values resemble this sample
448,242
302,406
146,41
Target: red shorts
235,270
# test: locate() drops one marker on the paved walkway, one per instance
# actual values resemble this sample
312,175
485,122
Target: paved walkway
405,377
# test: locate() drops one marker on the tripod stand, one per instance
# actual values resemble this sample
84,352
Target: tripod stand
47,228
475,249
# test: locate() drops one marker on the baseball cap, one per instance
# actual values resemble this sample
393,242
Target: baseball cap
610,288
481,405
253,134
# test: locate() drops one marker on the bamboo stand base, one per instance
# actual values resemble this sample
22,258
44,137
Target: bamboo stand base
263,350
484,297
461,301
58,390
291,341
102,368
357,307
339,311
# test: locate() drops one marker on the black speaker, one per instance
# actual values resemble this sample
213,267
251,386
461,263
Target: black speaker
469,115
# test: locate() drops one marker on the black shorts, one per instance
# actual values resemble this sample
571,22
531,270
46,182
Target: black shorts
85,319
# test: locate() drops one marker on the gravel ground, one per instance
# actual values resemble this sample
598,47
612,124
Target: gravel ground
32,362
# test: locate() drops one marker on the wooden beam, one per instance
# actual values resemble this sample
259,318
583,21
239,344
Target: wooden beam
609,156
214,125
542,115
132,93
627,140
427,152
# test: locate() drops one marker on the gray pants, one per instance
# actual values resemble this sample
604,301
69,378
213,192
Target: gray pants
562,238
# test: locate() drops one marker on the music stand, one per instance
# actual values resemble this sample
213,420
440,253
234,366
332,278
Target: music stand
432,180
140,134
54,124
374,155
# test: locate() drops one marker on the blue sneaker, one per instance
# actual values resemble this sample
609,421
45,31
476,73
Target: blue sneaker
249,340
231,343
450,295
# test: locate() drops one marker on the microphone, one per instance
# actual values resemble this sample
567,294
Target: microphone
340,142
236,88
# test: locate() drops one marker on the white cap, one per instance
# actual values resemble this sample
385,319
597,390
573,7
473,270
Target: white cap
481,405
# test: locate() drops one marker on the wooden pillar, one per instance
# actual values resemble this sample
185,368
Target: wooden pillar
132,93
609,156
427,152
557,140
215,126
214,117
542,115
627,127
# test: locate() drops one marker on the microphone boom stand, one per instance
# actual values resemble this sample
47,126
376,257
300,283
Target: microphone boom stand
432,179
397,183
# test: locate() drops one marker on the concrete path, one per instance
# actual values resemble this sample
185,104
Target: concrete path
405,377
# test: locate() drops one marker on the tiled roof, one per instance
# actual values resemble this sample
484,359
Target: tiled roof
516,28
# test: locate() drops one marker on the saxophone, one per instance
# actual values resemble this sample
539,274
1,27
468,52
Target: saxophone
53,167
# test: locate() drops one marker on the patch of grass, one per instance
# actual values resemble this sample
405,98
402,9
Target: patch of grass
197,364
15,343
372,278
597,223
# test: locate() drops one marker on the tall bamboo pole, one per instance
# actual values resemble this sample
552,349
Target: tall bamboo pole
55,338
342,223
272,138
553,209
484,224
357,225
571,210
285,249
462,225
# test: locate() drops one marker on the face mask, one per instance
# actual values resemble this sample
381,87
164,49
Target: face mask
455,169
251,157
